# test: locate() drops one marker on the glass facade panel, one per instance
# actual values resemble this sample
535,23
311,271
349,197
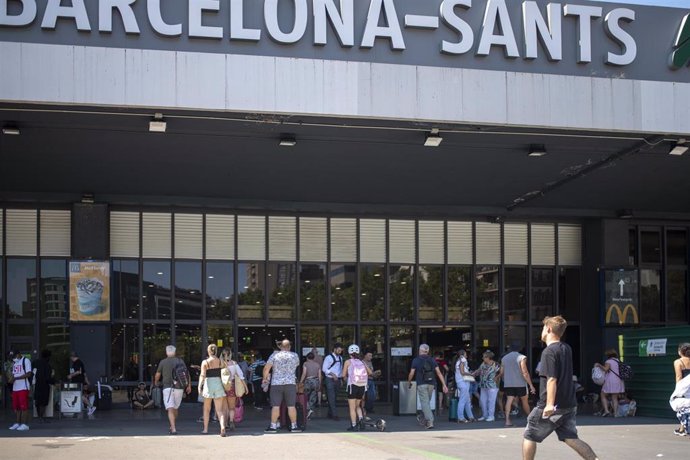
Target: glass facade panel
156,338
677,286
156,292
124,352
459,293
487,285
55,338
537,346
514,337
343,334
431,293
542,293
54,289
221,335
188,297
125,282
372,296
650,242
343,292
514,294
188,343
312,279
22,288
314,337
220,290
650,296
401,285
402,338
632,246
250,290
569,293
373,340
677,247
487,339
282,286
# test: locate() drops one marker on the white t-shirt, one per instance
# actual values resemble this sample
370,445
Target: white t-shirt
18,370
462,361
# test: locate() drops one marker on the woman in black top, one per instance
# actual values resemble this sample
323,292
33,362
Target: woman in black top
43,373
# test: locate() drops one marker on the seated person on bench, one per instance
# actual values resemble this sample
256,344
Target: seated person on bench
141,399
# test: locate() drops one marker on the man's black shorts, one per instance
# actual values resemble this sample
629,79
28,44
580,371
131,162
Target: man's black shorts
562,422
518,392
355,392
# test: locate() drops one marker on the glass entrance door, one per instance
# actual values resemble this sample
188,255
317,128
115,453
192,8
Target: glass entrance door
263,340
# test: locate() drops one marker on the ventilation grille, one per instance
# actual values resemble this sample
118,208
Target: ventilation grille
157,235
22,226
2,215
56,233
460,243
344,240
372,240
569,244
220,237
488,243
282,239
515,243
402,241
431,242
189,229
543,244
124,234
313,239
251,237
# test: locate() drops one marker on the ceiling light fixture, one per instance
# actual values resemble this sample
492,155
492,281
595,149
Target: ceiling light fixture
625,213
679,148
157,125
11,131
537,151
288,141
433,139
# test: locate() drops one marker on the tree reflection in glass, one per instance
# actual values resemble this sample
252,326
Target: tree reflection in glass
459,294
343,292
431,293
401,278
372,292
487,279
281,290
313,291
250,298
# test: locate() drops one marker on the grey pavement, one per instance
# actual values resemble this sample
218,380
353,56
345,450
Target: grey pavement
122,433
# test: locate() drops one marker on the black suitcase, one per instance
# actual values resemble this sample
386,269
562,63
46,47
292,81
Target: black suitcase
105,401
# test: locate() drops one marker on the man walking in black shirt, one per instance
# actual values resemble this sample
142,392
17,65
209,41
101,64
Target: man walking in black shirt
557,406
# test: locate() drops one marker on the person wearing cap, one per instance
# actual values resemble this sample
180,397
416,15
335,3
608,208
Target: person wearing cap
332,369
21,373
356,374
77,372
141,399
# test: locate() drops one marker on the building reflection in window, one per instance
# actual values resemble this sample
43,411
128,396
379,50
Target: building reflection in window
401,285
220,290
125,282
156,291
514,294
343,292
459,293
22,288
487,285
313,291
542,293
431,293
250,290
188,297
282,286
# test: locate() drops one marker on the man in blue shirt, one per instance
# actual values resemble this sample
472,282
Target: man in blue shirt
425,370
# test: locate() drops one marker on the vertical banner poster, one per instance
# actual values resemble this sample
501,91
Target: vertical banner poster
89,291
621,297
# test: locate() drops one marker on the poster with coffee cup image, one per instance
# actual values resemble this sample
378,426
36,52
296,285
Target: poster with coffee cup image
89,291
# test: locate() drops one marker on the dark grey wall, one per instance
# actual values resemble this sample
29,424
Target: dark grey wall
615,242
592,342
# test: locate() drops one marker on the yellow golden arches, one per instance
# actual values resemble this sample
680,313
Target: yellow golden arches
622,314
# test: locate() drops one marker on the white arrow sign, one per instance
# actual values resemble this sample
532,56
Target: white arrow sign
621,283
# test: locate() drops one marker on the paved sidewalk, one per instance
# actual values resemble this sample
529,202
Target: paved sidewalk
120,434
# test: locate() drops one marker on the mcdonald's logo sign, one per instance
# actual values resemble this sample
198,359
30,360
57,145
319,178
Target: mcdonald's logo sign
621,316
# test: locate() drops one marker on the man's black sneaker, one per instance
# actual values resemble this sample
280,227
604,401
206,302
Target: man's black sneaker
361,426
352,428
271,429
296,430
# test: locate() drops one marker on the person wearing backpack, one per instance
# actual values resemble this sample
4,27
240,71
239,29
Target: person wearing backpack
613,383
21,376
171,374
356,374
425,370
332,369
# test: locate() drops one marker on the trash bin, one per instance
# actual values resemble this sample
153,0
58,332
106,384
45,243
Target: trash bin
70,398
104,400
407,398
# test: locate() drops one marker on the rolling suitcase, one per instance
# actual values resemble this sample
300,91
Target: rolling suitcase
302,409
453,410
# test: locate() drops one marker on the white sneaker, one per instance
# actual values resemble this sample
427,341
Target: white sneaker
23,427
490,419
15,426
92,409
481,419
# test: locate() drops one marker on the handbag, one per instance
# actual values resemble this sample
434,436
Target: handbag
240,387
469,378
226,378
598,375
239,411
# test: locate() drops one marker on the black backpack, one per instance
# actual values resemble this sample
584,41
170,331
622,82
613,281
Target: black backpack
428,373
181,378
625,372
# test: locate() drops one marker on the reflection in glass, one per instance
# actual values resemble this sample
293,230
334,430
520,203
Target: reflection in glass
124,352
372,290
55,337
312,279
431,292
343,292
373,339
250,289
487,284
650,242
22,288
188,298
542,293
677,243
156,291
677,281
156,338
220,290
401,285
487,339
344,335
459,293
632,247
314,337
402,343
281,290
188,342
514,294
537,346
569,293
54,288
650,295
125,281
515,337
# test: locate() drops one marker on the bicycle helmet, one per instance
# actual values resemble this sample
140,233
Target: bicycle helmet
352,349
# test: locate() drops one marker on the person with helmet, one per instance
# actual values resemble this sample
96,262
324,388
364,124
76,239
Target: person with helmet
356,374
